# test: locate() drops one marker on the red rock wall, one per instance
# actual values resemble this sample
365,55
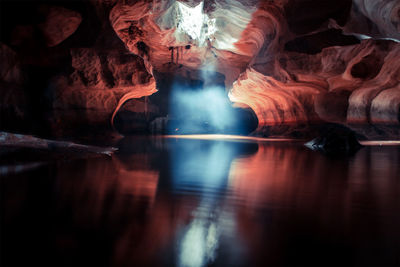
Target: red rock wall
291,63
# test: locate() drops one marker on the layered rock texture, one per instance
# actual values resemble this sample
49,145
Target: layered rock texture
295,63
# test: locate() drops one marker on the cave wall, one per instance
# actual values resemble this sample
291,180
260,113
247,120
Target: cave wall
81,64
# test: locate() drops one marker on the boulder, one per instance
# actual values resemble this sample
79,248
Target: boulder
60,23
335,139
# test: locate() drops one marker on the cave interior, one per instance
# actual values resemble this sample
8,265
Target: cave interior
200,132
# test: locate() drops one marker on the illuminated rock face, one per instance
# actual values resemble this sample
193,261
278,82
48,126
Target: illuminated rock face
289,61
196,36
353,84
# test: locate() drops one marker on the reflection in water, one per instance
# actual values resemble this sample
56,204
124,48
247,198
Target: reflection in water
202,167
181,202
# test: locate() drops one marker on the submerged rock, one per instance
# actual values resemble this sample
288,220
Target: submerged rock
335,139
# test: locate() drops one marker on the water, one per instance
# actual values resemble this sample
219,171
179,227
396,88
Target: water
178,202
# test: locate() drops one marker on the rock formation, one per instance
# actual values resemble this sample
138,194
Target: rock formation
293,62
60,23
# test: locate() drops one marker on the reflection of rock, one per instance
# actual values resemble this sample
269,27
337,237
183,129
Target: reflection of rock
60,23
287,187
335,139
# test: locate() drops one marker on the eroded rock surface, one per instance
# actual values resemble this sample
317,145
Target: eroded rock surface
292,62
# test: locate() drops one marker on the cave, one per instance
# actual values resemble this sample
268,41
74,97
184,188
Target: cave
199,133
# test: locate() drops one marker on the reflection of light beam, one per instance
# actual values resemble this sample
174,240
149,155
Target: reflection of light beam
231,138
199,244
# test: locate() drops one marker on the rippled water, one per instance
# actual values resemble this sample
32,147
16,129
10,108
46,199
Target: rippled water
178,202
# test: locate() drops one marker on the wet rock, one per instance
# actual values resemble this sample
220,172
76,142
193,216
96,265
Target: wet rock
335,139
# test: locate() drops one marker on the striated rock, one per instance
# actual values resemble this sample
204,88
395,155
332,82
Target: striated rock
385,15
60,23
273,101
385,107
236,33
340,84
372,85
99,105
332,106
292,64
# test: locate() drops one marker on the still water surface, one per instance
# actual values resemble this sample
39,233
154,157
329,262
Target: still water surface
179,202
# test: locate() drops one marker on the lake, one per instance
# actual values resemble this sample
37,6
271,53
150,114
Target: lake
205,202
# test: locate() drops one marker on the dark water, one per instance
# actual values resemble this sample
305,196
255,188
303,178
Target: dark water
176,202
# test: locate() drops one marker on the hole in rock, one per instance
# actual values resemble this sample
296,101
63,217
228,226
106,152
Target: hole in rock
368,68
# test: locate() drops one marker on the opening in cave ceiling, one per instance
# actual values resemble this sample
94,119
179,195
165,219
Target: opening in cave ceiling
216,29
192,21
